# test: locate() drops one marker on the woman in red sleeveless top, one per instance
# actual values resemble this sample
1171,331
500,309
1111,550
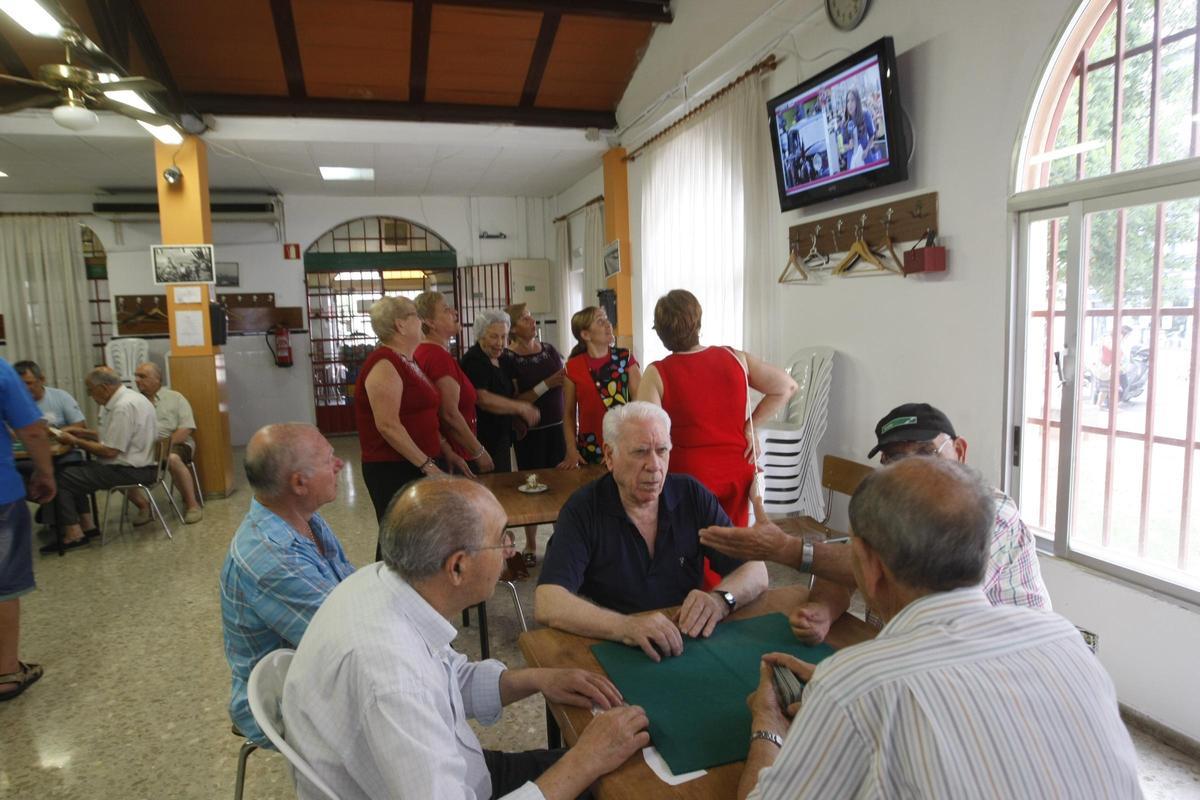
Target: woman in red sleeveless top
704,391
396,408
599,376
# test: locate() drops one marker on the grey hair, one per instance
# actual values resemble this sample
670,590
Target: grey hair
152,366
617,418
102,376
275,453
489,317
428,521
384,313
929,519
21,367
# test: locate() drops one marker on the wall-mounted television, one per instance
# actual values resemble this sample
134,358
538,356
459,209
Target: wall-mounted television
841,130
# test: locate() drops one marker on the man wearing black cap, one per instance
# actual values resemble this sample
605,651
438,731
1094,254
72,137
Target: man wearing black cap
1013,576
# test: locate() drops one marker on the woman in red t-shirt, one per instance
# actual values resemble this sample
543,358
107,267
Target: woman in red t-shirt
600,376
396,409
456,410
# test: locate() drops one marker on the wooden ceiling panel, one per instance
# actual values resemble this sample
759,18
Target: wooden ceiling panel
480,56
592,62
354,49
221,46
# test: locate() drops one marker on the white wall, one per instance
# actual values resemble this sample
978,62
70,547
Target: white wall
967,69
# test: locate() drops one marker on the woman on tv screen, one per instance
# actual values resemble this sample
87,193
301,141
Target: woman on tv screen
858,132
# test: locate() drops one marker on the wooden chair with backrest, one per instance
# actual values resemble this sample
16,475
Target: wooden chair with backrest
839,475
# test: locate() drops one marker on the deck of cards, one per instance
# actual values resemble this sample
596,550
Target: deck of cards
788,687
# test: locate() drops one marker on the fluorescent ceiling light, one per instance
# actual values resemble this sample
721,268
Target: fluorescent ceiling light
1063,152
164,133
31,16
348,173
3,174
167,134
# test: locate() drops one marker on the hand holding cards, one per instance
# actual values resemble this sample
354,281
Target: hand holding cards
788,687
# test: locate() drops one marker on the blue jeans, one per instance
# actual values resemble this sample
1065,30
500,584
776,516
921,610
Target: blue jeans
16,551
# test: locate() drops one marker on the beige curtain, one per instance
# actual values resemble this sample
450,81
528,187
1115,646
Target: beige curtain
43,296
593,253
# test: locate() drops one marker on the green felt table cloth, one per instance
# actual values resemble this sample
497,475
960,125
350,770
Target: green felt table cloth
696,702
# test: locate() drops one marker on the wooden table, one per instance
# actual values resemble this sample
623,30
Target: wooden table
634,780
541,508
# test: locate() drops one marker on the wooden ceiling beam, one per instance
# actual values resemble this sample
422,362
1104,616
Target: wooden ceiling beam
112,22
541,57
289,48
422,29
156,62
639,10
12,62
276,106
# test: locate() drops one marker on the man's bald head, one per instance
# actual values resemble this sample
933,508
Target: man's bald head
930,521
430,519
276,452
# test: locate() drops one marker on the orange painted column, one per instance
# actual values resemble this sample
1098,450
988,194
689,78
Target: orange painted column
197,365
616,226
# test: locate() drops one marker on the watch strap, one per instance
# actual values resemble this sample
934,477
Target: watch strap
770,736
806,558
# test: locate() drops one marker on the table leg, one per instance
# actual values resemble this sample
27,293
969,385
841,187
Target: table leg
553,734
484,645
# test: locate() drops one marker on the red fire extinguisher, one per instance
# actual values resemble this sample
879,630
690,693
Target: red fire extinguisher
281,338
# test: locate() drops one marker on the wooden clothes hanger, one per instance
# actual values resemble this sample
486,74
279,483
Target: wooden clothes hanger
858,252
794,264
889,246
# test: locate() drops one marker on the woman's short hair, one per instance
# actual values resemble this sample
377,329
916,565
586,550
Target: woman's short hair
619,417
427,307
489,317
386,311
515,312
677,320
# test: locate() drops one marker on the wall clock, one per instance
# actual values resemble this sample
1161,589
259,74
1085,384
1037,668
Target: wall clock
846,14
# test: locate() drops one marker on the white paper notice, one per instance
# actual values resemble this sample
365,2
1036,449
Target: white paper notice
187,294
659,767
189,328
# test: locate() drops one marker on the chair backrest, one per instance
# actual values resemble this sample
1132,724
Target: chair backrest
812,370
123,355
163,452
843,475
264,690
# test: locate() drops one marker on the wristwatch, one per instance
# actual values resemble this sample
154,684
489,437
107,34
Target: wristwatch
806,557
770,736
730,600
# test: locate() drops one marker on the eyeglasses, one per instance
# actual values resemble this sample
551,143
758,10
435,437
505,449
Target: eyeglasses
508,541
912,449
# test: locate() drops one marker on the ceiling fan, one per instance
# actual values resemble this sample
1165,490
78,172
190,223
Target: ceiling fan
73,91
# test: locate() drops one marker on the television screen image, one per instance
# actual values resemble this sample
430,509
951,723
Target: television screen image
840,131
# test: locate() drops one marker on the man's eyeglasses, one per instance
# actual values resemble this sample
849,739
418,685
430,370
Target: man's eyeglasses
508,541
912,449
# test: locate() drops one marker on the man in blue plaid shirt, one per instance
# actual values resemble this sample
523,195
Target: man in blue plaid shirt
284,560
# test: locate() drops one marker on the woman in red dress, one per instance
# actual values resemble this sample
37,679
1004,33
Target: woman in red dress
705,392
599,376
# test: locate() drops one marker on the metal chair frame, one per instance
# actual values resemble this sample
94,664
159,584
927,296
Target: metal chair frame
160,473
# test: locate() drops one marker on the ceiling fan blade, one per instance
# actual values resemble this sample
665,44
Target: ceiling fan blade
33,101
132,112
25,81
135,84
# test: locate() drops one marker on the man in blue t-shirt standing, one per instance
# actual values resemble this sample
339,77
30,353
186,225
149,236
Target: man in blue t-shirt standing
18,412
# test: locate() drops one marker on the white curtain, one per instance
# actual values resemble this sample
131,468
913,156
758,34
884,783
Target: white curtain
703,220
561,285
43,296
593,253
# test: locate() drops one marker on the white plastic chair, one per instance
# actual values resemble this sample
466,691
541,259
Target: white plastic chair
791,469
123,355
265,692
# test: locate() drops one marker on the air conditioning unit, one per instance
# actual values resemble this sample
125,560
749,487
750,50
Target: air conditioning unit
138,207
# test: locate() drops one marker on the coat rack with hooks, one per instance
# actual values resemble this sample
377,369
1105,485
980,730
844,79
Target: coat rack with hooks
883,228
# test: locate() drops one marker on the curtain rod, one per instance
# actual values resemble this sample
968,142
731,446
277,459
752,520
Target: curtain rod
597,199
768,64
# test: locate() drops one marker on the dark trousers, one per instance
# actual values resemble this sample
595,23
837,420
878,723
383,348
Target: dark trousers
383,480
511,771
542,448
77,481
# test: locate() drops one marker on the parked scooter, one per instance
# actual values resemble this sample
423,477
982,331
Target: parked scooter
1133,378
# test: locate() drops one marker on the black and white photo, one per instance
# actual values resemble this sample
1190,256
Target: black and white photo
183,263
227,273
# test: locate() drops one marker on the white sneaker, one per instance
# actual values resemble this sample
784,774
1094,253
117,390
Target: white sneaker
193,515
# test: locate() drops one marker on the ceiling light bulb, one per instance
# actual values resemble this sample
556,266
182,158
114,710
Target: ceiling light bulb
31,16
348,173
76,118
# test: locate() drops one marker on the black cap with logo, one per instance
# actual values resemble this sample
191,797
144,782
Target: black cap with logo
911,422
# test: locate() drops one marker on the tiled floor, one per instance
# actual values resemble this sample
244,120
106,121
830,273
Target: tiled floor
133,704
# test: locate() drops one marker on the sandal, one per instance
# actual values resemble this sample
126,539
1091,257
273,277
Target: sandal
514,569
26,677
530,557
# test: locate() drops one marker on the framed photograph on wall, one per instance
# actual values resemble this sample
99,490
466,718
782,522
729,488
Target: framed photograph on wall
227,273
183,263
612,258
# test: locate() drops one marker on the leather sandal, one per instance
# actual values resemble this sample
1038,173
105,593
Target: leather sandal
530,557
24,678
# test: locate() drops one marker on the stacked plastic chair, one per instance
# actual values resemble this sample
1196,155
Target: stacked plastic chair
123,355
791,468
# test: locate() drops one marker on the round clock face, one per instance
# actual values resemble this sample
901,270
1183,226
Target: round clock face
846,14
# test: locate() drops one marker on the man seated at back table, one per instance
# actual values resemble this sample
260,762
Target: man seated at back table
628,543
174,415
1012,577
956,697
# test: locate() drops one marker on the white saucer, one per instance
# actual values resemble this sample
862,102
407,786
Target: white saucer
527,489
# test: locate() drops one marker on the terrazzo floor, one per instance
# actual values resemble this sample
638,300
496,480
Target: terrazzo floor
133,703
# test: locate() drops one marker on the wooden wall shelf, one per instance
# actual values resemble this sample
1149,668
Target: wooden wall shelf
145,315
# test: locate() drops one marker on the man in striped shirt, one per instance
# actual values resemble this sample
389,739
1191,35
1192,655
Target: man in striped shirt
956,697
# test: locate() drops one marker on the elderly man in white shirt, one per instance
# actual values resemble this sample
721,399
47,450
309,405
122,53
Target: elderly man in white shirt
123,451
175,419
955,697
377,701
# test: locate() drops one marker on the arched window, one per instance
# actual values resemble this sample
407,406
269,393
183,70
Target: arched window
1106,359
95,260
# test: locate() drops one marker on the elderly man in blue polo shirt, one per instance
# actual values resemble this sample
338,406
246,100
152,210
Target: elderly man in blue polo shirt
629,542
284,560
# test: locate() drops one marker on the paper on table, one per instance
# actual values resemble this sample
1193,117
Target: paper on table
189,328
659,767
